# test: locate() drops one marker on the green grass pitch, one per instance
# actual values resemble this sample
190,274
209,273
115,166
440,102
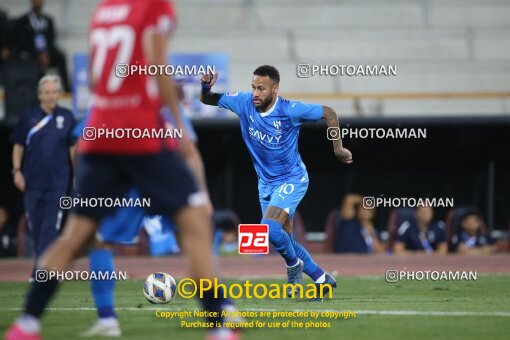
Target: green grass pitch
405,310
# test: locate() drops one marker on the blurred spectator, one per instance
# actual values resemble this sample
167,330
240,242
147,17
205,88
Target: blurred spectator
162,239
7,239
33,38
422,234
41,159
354,230
225,234
228,242
471,238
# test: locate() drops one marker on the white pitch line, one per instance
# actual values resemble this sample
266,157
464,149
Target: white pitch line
361,312
431,313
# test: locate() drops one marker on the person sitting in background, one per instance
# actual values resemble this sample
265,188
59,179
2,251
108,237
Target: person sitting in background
424,234
7,239
471,238
33,38
354,230
225,234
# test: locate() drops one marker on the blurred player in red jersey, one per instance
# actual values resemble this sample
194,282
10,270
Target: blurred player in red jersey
124,33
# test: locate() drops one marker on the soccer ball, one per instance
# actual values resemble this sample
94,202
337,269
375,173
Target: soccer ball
159,288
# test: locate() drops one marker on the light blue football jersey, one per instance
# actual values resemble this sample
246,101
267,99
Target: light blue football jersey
272,136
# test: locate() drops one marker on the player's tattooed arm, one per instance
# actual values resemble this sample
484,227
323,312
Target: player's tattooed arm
207,96
341,153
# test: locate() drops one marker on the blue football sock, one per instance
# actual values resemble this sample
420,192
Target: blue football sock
311,268
281,241
101,260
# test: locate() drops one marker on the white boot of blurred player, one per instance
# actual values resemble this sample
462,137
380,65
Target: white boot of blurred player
104,327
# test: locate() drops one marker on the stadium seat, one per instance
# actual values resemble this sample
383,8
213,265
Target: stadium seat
23,241
20,81
140,248
397,216
331,220
432,56
504,244
453,224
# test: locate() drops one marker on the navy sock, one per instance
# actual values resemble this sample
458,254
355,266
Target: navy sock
281,241
214,304
101,261
311,268
39,295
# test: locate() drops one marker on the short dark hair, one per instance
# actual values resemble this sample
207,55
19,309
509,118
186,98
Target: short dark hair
469,213
268,70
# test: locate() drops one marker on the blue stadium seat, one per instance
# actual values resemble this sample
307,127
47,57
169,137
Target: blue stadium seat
452,227
397,217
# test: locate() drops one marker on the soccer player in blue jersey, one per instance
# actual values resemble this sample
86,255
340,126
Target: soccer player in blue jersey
270,128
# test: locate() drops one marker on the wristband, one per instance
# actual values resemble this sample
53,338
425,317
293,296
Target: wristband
206,87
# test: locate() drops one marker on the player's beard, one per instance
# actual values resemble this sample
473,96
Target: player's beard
263,106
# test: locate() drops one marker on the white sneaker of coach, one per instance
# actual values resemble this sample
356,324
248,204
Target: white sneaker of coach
104,327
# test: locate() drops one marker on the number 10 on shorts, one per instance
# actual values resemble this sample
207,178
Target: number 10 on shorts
253,239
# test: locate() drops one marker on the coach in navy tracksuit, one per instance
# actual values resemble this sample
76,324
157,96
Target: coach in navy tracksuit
42,166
